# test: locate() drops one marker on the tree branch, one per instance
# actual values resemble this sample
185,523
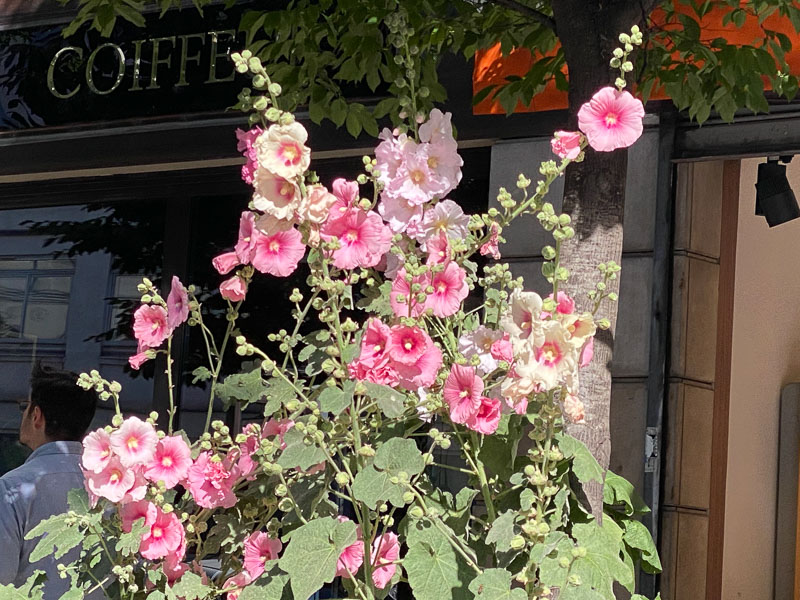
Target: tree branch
529,12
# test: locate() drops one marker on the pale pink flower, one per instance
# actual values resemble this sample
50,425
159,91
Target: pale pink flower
317,205
352,557
275,195
248,235
437,128
611,119
423,373
111,483
516,391
401,287
239,582
269,225
245,145
574,409
225,263
389,154
177,304
491,248
445,162
462,393
523,321
446,216
439,250
408,344
385,550
138,490
137,360
566,144
245,463
282,150
363,239
210,481
233,289
258,549
96,451
164,538
487,418
579,328
133,511
399,213
346,191
150,326
134,442
587,352
415,180
550,361
479,343
502,349
449,290
279,254
170,463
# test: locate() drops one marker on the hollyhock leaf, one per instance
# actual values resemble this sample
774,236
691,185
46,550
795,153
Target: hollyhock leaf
297,453
243,388
434,569
389,401
550,543
584,465
59,537
371,486
376,300
335,400
502,531
495,584
78,501
557,545
280,391
602,565
128,543
311,556
637,536
618,492
526,499
201,374
498,451
373,483
400,455
579,592
269,586
225,532
190,587
307,493
30,590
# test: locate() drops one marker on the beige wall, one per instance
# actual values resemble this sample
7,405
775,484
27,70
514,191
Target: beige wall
766,356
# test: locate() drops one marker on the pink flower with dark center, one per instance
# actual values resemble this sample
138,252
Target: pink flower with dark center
424,372
566,144
248,235
374,342
239,582
279,254
170,463
487,418
275,195
385,550
133,511
164,538
449,290
363,239
462,392
408,344
611,119
134,442
177,304
401,287
491,248
258,549
97,451
112,483
233,289
225,263
150,325
282,150
352,557
210,481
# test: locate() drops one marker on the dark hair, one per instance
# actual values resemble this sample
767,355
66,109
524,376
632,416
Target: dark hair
68,409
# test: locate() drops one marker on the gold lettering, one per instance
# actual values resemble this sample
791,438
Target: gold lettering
156,61
215,55
90,67
137,65
185,39
51,84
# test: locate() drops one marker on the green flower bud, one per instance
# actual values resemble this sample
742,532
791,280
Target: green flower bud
517,542
416,512
342,478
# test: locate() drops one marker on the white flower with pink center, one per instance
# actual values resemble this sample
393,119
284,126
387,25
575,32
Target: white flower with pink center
574,409
579,328
113,482
447,217
449,290
282,150
170,463
97,451
550,362
275,195
479,343
134,442
523,321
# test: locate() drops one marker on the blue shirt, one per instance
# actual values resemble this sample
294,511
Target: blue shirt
29,494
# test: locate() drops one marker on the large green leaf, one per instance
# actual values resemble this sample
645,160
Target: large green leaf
637,536
298,453
310,558
602,565
618,491
495,584
270,586
189,587
584,465
374,483
334,400
435,570
389,401
59,537
242,388
502,531
128,543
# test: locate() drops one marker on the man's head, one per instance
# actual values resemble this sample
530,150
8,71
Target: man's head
57,408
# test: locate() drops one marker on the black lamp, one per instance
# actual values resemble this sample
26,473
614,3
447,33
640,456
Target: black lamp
774,196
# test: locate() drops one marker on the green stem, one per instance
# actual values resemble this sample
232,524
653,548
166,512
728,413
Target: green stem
170,386
487,496
218,368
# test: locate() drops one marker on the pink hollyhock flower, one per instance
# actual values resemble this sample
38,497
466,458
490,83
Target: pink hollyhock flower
487,418
133,511
211,481
170,463
138,490
282,150
437,128
479,343
516,391
449,290
165,537
134,442
280,253
400,286
491,248
384,373
566,305
438,248
446,216
389,154
113,482
150,326
611,119
246,464
346,191
96,451
248,235
245,145
352,557
523,321
258,549
587,353
174,569
233,289
551,360
374,342
399,213
363,239
444,161
415,180
177,304
239,581
462,392
574,409
385,550
408,344
277,427
317,205
422,374
137,360
566,144
502,349
224,263
275,195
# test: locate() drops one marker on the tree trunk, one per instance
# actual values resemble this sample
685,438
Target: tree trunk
594,195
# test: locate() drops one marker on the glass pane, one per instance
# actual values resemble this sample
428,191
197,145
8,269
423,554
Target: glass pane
52,287
15,265
61,264
125,286
46,320
12,296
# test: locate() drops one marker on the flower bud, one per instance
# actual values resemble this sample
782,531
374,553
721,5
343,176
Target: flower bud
342,478
416,512
517,542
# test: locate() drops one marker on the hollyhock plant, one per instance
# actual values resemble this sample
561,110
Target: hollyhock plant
567,144
487,418
446,216
236,584
177,304
113,482
480,343
210,481
612,119
363,239
226,262
233,289
449,290
408,344
385,550
279,254
275,195
150,325
258,549
246,145
401,287
133,511
97,451
170,463
282,150
248,236
462,393
134,442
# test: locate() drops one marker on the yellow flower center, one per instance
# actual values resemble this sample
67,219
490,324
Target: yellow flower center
290,152
166,461
274,246
441,287
157,532
611,119
132,443
417,176
433,162
115,477
352,235
408,345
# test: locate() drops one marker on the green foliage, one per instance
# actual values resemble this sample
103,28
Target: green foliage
389,401
335,400
298,453
244,388
270,586
584,465
495,584
189,587
435,570
381,479
30,590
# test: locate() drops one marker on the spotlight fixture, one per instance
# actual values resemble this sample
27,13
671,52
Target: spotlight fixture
774,196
